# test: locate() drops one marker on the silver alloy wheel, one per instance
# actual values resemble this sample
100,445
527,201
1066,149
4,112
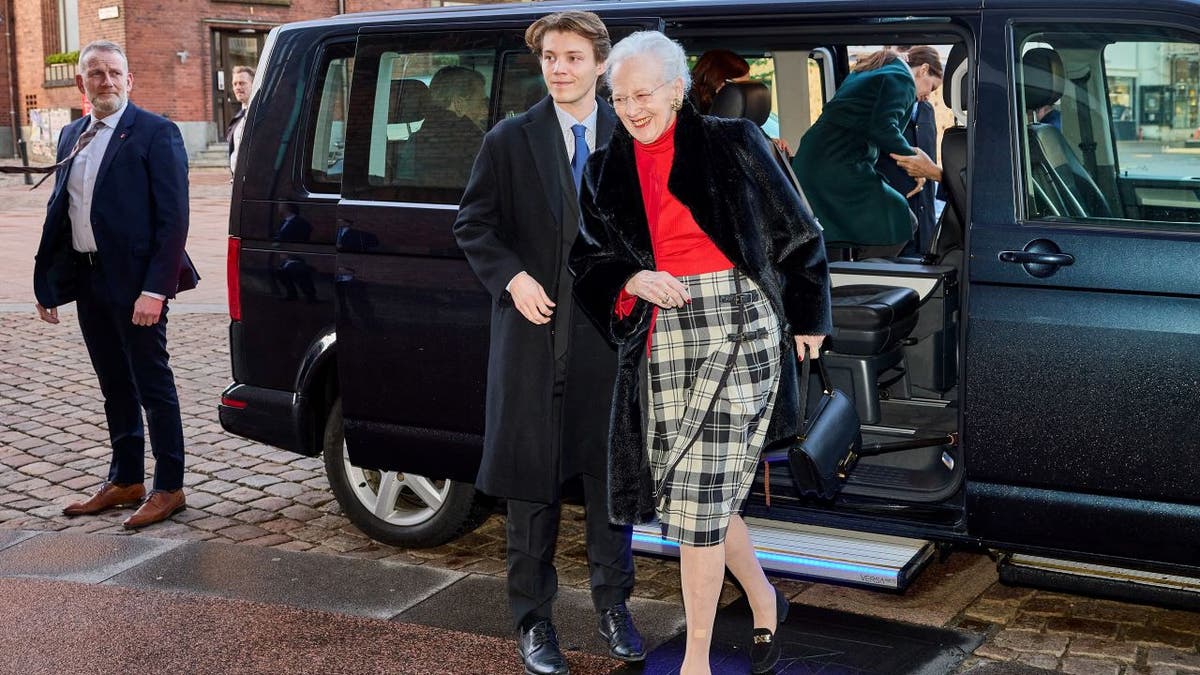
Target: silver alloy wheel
401,499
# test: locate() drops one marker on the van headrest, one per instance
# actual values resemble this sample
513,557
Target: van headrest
751,100
1043,77
409,101
956,60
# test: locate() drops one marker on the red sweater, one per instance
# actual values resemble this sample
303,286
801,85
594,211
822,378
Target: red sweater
680,246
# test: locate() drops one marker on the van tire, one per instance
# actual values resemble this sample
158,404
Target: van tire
414,524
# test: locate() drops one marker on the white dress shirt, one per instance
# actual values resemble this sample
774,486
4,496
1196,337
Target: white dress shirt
82,180
82,183
566,121
238,129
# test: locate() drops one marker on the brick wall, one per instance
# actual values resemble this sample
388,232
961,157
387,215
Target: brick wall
154,34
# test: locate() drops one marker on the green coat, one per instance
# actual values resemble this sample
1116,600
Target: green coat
836,158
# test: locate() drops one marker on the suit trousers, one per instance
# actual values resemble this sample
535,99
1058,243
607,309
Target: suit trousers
532,539
131,363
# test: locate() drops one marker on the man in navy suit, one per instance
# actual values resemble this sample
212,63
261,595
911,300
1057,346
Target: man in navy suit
113,243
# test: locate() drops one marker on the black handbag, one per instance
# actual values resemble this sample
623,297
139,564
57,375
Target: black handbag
830,439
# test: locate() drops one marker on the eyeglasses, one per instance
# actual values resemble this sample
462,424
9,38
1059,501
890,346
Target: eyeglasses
641,98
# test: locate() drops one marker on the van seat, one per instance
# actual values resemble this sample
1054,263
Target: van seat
751,100
871,319
1062,185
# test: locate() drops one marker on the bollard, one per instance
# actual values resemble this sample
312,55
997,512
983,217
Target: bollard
24,152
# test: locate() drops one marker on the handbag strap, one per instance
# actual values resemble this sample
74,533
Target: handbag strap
805,374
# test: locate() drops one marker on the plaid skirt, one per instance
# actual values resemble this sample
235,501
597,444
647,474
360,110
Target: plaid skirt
713,375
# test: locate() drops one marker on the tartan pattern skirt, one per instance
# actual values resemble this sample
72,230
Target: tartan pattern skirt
713,376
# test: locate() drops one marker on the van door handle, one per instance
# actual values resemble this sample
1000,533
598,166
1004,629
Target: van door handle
1040,258
1026,257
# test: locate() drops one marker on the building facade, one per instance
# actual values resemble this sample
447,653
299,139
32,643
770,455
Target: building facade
181,56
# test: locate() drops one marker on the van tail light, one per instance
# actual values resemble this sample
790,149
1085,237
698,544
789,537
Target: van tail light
233,264
232,403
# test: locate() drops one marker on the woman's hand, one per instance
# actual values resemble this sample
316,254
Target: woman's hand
919,165
810,344
920,186
658,288
783,145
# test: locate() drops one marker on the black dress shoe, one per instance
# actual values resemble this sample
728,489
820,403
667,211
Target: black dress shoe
765,649
539,650
624,640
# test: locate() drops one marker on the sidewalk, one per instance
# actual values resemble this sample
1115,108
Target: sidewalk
142,604
245,495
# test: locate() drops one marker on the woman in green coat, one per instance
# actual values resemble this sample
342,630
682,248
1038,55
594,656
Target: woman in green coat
836,158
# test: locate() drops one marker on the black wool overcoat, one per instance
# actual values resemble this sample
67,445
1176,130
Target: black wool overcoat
520,212
724,172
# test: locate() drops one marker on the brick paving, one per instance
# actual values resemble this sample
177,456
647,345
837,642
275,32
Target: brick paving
53,446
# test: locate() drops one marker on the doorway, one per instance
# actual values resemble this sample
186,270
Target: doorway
231,48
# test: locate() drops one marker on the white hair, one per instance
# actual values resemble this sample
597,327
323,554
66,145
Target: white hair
651,43
101,46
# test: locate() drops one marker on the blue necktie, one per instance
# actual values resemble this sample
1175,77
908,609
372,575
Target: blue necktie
581,154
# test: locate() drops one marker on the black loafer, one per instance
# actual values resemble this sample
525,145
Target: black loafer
624,641
539,650
765,649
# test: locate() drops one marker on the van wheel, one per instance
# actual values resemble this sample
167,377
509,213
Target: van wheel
401,509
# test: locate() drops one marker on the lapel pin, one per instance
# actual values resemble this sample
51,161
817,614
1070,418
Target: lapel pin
122,136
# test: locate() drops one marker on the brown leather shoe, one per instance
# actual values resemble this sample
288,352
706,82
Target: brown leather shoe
159,506
110,495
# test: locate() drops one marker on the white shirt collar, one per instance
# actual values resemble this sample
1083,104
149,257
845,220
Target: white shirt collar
566,120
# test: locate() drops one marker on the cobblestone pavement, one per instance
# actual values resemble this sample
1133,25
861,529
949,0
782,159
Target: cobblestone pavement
53,446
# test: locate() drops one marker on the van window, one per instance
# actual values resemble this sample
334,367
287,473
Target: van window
425,107
327,134
521,83
1111,124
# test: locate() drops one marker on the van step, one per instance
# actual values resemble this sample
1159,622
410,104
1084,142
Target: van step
821,553
1101,580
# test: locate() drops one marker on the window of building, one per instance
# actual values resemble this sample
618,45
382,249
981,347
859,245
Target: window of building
1111,124
426,104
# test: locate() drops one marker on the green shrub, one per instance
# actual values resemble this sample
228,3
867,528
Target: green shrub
63,57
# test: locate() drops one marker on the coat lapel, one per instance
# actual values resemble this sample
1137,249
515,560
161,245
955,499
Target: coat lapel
120,134
544,137
618,195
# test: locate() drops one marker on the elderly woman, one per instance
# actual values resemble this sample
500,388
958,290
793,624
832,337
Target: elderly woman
699,261
835,160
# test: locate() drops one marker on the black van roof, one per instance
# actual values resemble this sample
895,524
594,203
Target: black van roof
701,8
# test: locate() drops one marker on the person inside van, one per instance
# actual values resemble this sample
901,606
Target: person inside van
921,133
713,70
710,325
835,161
444,148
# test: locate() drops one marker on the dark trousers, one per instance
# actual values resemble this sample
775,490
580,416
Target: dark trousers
532,538
131,363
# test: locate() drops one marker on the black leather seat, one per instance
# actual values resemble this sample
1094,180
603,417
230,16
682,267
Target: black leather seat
869,319
953,188
1062,186
408,105
751,100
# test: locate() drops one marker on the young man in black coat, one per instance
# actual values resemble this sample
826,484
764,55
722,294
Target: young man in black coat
550,373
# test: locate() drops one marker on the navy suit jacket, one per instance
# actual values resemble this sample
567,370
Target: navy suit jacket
139,215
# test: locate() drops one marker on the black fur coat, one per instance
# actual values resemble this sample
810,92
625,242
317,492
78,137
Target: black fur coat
724,172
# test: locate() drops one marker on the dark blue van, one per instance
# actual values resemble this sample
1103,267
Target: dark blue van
1053,326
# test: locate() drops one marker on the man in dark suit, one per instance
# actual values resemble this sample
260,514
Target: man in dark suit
550,373
113,243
